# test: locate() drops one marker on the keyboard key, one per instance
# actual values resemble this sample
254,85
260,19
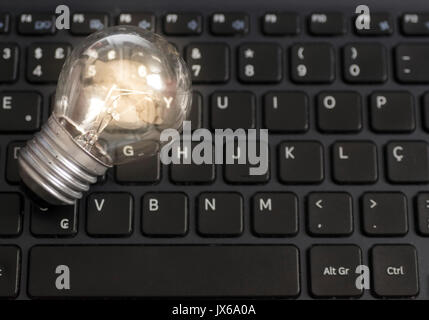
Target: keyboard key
238,169
55,221
286,111
36,24
10,260
145,170
20,111
384,214
146,271
45,61
229,24
4,22
425,111
381,24
196,114
145,21
165,214
208,62
339,111
220,214
12,173
423,213
9,57
109,214
186,170
301,162
87,23
11,215
365,63
395,270
183,24
408,161
327,24
332,270
260,63
354,162
415,24
313,63
281,24
412,65
392,112
233,110
275,214
330,214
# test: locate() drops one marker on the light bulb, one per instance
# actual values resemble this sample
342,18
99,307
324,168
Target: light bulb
119,88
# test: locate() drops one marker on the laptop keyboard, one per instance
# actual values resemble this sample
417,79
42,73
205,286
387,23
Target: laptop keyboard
348,115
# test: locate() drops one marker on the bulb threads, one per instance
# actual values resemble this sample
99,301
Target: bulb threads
55,167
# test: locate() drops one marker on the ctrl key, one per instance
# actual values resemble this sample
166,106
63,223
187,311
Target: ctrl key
9,271
395,271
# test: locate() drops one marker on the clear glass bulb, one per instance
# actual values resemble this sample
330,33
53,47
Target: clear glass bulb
119,88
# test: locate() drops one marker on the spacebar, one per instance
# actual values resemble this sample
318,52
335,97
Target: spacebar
164,271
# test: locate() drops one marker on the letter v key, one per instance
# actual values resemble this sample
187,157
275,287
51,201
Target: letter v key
99,205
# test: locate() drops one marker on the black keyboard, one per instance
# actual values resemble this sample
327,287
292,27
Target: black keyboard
347,187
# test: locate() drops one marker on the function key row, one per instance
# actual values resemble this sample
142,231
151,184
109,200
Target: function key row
222,214
257,62
222,23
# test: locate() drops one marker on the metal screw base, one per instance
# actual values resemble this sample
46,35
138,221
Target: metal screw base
55,167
